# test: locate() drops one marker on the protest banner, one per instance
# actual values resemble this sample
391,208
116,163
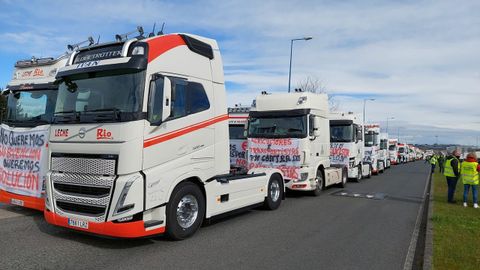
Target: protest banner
340,153
238,152
23,161
282,154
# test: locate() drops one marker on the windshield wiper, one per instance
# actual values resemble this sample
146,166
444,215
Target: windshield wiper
104,114
65,116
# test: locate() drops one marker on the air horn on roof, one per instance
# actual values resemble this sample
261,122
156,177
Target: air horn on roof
121,37
77,45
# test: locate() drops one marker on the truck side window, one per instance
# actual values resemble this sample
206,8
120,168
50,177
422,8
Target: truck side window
311,119
155,100
197,98
188,98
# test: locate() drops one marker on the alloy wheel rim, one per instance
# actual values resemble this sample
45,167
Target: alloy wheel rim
187,211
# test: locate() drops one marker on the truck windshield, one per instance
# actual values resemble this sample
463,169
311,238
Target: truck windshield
278,127
100,97
341,133
236,132
370,138
392,148
401,150
30,108
383,144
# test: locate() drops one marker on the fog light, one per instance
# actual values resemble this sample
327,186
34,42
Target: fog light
303,176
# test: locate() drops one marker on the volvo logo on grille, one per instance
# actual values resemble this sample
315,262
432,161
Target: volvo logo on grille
82,132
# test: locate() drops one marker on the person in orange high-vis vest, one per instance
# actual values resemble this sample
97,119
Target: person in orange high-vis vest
469,170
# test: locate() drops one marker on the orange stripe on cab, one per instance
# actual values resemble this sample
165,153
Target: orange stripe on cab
160,45
183,131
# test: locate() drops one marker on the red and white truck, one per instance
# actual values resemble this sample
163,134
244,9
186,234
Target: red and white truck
290,132
237,123
393,151
31,96
139,142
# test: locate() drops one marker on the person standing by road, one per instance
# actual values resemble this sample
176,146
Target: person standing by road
452,173
441,162
469,173
433,162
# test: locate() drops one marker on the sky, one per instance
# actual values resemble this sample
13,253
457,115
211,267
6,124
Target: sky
419,60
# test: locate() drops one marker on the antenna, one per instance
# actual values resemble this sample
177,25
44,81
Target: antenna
160,33
77,45
121,37
153,30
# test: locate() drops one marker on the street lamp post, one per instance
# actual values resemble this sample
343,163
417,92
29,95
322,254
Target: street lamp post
291,54
389,118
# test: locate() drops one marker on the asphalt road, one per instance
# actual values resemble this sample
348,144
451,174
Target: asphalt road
325,232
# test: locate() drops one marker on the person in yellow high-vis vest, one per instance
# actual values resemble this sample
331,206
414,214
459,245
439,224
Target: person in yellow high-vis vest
469,173
433,162
451,171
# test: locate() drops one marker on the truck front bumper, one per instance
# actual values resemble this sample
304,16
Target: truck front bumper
132,229
22,200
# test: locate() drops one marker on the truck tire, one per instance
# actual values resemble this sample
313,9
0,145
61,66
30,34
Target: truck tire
381,166
359,174
320,180
369,171
274,193
185,211
344,178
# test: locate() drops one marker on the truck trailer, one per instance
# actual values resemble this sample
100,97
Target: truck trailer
31,97
139,143
346,144
290,132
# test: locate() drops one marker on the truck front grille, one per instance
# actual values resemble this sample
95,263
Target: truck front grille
94,211
82,185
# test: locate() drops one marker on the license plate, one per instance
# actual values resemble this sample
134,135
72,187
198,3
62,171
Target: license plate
16,202
78,223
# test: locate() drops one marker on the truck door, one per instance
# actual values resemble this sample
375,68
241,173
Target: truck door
177,132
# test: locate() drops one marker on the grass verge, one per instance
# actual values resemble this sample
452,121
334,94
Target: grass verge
456,230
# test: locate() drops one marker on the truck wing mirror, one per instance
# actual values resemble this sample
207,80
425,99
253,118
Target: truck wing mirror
167,98
245,130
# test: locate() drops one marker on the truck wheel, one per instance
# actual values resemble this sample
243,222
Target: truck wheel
382,167
319,180
185,211
369,171
274,194
344,178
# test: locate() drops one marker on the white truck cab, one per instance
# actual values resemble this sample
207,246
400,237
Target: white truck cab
346,144
237,123
384,155
290,132
31,96
402,153
139,143
393,151
372,148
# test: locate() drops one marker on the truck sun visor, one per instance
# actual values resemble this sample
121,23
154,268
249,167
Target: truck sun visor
198,46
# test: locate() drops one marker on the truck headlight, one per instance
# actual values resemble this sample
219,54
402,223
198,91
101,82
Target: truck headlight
120,208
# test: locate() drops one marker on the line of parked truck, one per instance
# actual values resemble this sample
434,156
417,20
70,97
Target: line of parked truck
133,138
